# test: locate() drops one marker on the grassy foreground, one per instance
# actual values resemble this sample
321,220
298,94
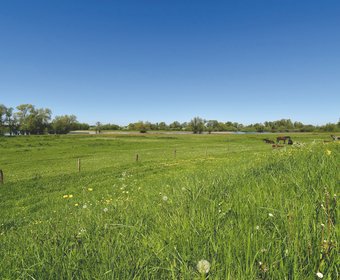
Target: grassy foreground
251,211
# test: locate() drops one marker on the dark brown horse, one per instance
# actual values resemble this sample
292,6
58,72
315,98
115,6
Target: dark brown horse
282,138
268,141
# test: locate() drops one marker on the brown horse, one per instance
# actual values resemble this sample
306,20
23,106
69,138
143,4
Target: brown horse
277,146
268,141
282,138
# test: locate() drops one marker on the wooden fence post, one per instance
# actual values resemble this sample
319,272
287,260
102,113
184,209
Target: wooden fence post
137,157
1,177
79,165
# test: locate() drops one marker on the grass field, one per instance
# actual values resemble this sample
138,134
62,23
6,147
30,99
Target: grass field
250,211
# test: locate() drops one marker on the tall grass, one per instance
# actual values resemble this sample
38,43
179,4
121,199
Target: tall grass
263,215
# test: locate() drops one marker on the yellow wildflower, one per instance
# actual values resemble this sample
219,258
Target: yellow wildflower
70,195
65,196
90,189
76,204
328,152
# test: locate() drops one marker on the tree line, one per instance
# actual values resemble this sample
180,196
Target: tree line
26,119
199,125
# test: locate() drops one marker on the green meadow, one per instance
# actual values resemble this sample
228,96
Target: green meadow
248,210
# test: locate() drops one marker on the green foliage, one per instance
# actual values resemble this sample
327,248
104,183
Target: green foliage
64,124
197,125
251,211
29,120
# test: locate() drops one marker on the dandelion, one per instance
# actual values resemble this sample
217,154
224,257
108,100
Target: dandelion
165,198
70,195
271,215
203,266
105,209
90,189
65,196
319,274
76,204
328,152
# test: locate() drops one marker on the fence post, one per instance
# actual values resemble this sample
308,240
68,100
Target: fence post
79,165
137,157
1,177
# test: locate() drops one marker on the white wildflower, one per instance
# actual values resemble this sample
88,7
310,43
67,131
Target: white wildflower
81,232
105,209
85,206
165,198
203,266
319,274
271,215
257,227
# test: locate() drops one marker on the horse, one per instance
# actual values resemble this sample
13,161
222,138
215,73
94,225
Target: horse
335,138
277,146
268,141
282,138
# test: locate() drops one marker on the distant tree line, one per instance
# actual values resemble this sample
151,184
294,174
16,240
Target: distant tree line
26,119
198,125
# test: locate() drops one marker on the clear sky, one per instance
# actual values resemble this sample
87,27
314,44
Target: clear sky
165,60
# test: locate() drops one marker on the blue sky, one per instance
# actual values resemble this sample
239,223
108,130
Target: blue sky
151,60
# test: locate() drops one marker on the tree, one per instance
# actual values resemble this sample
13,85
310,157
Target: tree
197,125
175,126
11,122
24,117
212,125
3,110
259,127
141,127
162,126
98,127
64,124
41,118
